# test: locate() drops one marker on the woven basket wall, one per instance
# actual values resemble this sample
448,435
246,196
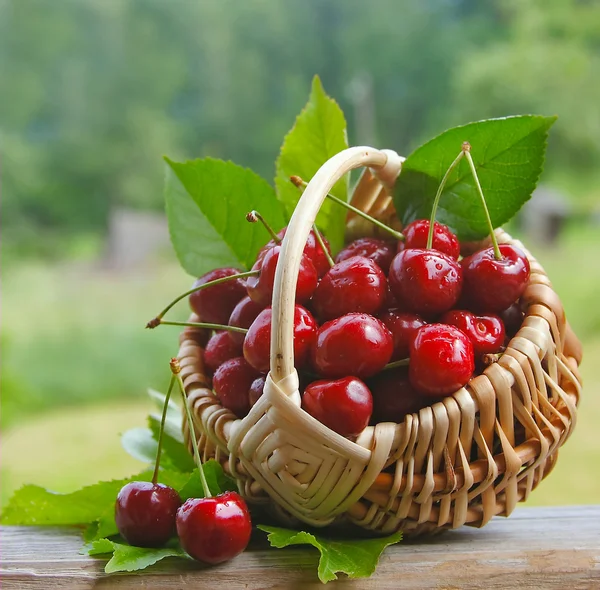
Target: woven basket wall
465,459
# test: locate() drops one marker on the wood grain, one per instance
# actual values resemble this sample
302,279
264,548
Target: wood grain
536,548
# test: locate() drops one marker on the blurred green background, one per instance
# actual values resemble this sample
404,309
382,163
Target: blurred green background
93,93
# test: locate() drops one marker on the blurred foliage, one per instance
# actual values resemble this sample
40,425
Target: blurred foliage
94,93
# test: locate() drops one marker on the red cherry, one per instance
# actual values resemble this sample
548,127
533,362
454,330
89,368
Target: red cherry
416,233
220,348
486,332
231,383
256,389
215,304
260,288
344,405
379,251
354,344
355,284
512,317
257,344
403,327
312,249
493,285
425,281
441,360
394,396
390,299
216,529
242,316
145,513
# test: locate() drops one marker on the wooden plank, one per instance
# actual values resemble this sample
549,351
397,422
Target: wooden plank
536,548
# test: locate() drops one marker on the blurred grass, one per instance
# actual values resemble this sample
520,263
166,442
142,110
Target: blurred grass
75,352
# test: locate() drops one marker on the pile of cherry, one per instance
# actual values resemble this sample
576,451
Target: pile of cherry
385,330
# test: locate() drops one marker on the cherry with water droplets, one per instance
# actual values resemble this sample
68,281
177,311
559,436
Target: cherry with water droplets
355,284
355,344
214,529
344,405
403,327
256,389
381,252
486,332
260,288
215,304
231,382
416,233
220,348
257,344
492,285
145,513
242,316
425,281
441,360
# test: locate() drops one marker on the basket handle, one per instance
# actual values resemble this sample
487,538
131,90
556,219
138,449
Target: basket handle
386,165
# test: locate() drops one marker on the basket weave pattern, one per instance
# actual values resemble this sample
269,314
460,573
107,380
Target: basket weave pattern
465,459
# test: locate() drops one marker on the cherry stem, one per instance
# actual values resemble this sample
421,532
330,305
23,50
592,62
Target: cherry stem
216,327
396,364
322,244
157,320
467,152
296,180
162,430
176,370
438,196
255,216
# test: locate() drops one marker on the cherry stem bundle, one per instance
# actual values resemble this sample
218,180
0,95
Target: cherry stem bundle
158,319
322,245
176,370
467,152
297,181
162,430
438,196
254,216
206,325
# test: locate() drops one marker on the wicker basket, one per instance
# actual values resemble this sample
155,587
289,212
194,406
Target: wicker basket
460,461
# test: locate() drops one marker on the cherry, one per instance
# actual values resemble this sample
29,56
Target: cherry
381,252
486,332
256,389
390,299
257,344
354,344
220,348
512,317
231,383
415,236
425,281
214,529
354,284
145,513
403,327
441,360
394,396
242,316
215,304
260,288
344,405
312,249
493,284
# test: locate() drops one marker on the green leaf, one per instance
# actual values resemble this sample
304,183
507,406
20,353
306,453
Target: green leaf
318,134
126,558
356,559
174,453
207,201
173,420
140,444
509,157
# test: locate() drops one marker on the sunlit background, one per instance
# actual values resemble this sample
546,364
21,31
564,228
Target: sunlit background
93,94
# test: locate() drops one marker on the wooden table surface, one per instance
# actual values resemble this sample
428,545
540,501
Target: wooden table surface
536,548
